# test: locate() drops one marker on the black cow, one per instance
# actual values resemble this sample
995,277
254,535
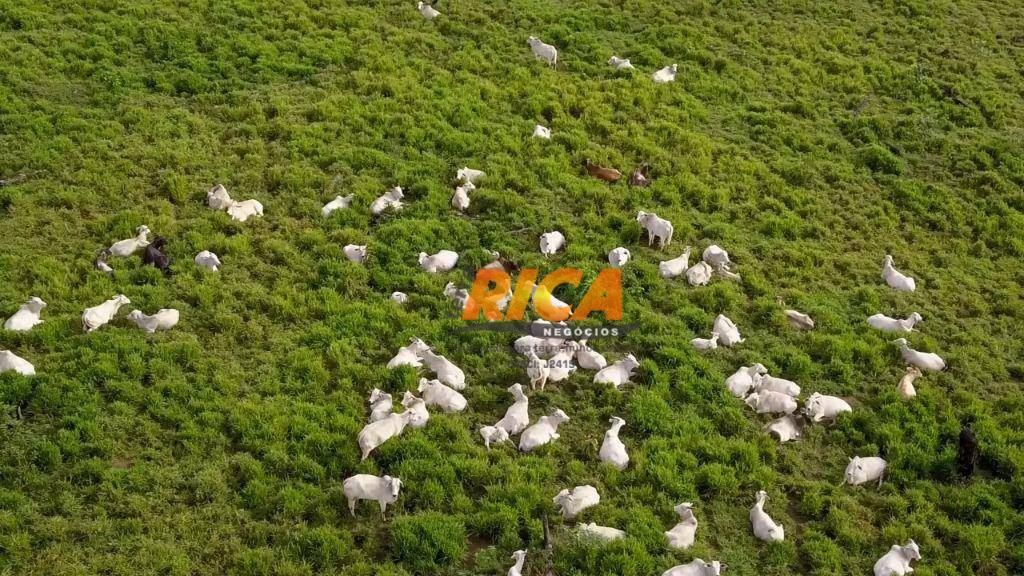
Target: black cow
155,256
966,452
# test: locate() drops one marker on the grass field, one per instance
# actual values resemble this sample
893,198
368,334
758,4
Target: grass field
807,138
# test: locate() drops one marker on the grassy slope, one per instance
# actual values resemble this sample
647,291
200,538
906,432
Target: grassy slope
807,139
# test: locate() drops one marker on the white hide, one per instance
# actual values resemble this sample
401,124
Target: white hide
613,451
618,373
163,319
544,431
27,316
570,504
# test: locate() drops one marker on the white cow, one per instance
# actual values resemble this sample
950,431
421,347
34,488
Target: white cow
676,266
383,489
399,298
517,416
620,63
819,407
218,198
613,451
697,567
716,256
906,385
742,381
896,279
460,198
770,402
339,203
446,371
766,382
376,433
427,11
97,316
799,320
706,343
561,366
618,257
657,228
380,404
542,132
27,316
923,360
618,373
551,242
603,533
896,562
390,199
417,410
542,51
443,261
699,274
867,469
784,429
764,527
208,260
11,362
242,211
728,333
570,504
517,569
458,295
164,319
588,358
537,371
130,246
355,253
544,431
409,355
883,322
434,393
682,535
469,175
493,435
666,74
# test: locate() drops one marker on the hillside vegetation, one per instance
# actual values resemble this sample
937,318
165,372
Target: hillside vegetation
807,138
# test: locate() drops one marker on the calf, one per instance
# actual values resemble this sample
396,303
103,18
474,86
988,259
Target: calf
154,255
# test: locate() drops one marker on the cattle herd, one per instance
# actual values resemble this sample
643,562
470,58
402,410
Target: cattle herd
550,360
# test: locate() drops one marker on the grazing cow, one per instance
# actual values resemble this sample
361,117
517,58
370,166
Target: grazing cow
101,261
380,405
154,255
799,320
218,198
443,261
390,199
417,410
705,343
400,297
355,253
542,132
551,242
742,381
923,360
376,433
657,228
493,435
600,172
427,11
966,452
242,211
728,333
208,260
383,489
542,51
469,175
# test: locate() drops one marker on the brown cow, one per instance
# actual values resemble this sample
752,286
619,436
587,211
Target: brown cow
607,174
